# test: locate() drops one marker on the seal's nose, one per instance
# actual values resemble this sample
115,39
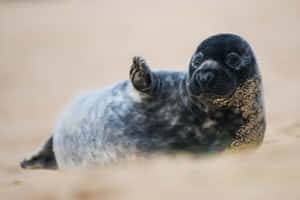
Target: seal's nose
205,78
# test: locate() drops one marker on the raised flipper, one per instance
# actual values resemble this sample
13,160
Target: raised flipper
141,76
42,158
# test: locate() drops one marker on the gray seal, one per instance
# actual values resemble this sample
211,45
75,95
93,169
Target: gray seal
217,104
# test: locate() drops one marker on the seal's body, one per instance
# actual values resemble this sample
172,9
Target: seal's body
216,104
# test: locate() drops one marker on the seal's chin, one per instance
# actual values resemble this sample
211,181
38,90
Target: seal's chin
203,93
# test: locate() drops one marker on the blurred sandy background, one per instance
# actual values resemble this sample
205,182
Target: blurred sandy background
51,51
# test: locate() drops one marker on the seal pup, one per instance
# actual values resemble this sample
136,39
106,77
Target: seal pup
216,104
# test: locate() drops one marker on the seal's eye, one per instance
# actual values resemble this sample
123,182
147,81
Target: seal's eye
198,59
233,60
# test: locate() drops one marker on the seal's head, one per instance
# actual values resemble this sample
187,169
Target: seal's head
220,64
224,79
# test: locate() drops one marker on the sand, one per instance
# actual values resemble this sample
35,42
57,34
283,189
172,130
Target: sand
52,51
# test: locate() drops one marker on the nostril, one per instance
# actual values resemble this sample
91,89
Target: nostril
198,78
208,76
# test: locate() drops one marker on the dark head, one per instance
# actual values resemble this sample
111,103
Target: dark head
220,64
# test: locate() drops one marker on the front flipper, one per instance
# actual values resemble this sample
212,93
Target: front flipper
141,76
43,158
